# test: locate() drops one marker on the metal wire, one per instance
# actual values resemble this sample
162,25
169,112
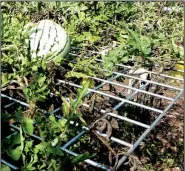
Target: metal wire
9,164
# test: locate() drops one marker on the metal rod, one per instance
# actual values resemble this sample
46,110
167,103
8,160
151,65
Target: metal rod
54,111
149,81
8,105
130,97
128,120
88,161
132,88
153,82
97,87
149,130
62,148
11,135
102,84
9,164
17,128
74,139
100,60
18,101
151,72
155,73
116,140
178,70
114,97
101,110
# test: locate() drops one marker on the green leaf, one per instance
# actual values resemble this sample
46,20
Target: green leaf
35,68
34,159
80,158
66,107
14,140
28,146
5,168
81,92
4,79
52,118
150,154
18,116
76,74
42,166
27,125
55,150
40,147
29,166
42,88
62,123
74,116
16,153
41,80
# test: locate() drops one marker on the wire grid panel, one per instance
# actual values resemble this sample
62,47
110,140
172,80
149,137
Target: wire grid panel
129,99
124,101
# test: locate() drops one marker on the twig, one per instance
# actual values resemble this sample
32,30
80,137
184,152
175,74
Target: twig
117,156
105,143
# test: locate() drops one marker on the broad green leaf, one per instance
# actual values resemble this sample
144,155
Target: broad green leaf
15,153
18,116
27,125
14,140
42,89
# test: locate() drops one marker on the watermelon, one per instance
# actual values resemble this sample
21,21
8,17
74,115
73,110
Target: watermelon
47,40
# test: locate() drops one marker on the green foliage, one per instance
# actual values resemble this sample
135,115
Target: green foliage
17,64
141,44
42,155
37,90
70,107
84,68
114,57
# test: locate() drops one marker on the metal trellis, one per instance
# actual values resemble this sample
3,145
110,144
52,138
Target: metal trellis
121,102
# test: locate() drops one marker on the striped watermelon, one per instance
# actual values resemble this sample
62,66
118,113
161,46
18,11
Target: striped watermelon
47,40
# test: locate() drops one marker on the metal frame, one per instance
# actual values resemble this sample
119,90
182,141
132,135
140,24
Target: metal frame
123,101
